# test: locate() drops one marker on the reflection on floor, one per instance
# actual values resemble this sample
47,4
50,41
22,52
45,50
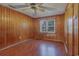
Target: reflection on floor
35,48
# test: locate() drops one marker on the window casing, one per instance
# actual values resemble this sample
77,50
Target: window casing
47,26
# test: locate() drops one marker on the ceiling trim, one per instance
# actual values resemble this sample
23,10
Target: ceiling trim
50,16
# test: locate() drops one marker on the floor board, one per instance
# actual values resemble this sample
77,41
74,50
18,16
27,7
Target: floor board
35,48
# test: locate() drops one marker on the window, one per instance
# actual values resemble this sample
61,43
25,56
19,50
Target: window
47,26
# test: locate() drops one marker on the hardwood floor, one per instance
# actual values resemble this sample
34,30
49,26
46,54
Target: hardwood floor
35,48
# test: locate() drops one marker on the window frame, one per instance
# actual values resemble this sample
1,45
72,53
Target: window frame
41,21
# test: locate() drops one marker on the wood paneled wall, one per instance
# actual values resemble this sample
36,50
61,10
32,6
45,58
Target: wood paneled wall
71,29
66,29
68,33
57,36
14,27
76,30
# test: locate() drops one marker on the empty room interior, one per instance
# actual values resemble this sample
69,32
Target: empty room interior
39,29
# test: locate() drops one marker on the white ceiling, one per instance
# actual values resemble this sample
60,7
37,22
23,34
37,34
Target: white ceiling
59,9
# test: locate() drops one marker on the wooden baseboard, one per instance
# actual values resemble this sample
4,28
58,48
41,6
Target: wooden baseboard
14,44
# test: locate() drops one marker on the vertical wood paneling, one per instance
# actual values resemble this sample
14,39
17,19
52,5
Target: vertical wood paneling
57,36
75,29
14,27
68,34
71,37
2,33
